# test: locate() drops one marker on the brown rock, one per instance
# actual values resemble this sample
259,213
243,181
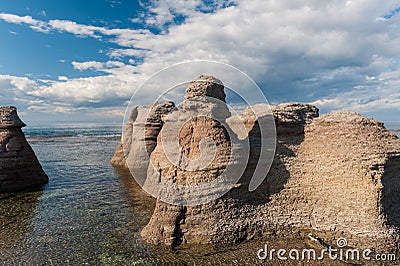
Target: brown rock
294,114
347,171
226,220
202,86
19,167
118,160
205,86
202,116
154,124
290,118
333,176
133,150
339,178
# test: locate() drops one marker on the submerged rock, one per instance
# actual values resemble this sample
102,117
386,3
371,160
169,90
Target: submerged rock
19,167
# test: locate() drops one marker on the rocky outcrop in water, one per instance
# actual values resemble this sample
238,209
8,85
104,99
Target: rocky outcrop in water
332,176
19,167
140,138
236,216
347,170
200,117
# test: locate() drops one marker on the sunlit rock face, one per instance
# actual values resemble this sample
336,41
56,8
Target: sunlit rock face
333,176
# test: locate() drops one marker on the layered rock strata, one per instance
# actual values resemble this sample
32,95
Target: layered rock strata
347,171
201,116
332,176
19,166
338,176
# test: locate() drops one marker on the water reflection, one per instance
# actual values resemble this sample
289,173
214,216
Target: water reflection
131,191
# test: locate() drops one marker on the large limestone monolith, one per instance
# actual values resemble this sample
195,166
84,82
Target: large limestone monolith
345,182
201,116
19,167
333,177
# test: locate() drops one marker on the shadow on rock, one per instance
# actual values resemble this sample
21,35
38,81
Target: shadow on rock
289,137
391,191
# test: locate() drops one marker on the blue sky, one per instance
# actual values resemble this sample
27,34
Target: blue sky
20,43
80,61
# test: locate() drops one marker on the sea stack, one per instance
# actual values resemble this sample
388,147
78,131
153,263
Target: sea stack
239,215
335,176
139,138
19,166
201,116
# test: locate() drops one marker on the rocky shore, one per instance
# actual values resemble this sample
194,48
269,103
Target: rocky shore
333,176
19,167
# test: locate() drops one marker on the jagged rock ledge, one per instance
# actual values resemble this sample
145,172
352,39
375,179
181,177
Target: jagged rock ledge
19,166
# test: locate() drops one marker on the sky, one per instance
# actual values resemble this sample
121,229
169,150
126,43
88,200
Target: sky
81,61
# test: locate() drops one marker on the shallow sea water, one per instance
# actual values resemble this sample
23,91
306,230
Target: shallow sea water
86,214
90,214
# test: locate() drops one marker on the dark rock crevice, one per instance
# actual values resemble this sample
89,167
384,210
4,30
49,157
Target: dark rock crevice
178,234
391,191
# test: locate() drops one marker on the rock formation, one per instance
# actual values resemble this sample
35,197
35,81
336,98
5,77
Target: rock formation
332,176
200,117
347,170
19,167
140,138
205,86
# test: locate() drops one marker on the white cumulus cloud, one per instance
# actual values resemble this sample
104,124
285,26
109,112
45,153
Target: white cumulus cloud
337,54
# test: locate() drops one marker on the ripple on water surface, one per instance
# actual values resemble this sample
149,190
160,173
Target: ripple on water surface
87,212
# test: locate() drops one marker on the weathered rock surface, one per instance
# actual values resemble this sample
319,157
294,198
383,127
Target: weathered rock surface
197,119
290,118
347,171
337,178
333,176
205,86
140,138
237,216
19,167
